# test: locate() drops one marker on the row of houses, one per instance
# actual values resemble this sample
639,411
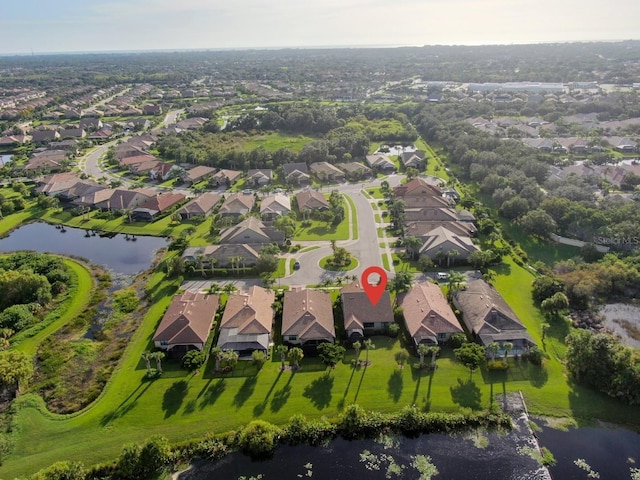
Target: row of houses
308,318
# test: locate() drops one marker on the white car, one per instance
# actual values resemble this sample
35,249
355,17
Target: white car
442,275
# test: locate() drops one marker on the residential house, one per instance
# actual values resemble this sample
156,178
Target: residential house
201,206
186,324
307,318
152,109
115,199
623,144
197,174
223,256
381,163
225,178
247,322
164,171
67,187
90,124
274,206
259,177
415,159
44,136
310,200
155,206
427,315
326,172
237,205
422,229
13,140
126,150
47,161
253,232
296,174
133,162
441,244
73,133
361,317
192,123
416,188
489,319
355,171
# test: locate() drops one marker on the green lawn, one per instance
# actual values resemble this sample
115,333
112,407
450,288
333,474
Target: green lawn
324,263
352,216
435,166
282,263
324,231
374,192
275,141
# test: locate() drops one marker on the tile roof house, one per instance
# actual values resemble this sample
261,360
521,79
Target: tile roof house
427,315
197,174
489,319
186,324
380,162
418,187
259,177
442,240
327,172
311,200
422,229
227,255
360,315
225,177
113,199
155,206
90,123
247,322
296,173
201,206
164,171
44,136
274,206
252,232
355,170
47,161
307,318
73,133
236,205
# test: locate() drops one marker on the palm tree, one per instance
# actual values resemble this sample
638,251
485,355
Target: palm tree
439,257
214,288
412,245
217,353
212,264
455,279
146,356
423,350
368,345
434,353
158,357
282,351
357,346
493,348
451,254
295,355
201,259
508,346
229,288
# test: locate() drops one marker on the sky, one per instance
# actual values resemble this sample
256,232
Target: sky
45,26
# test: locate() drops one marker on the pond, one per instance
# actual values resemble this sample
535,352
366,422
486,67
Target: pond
623,319
122,254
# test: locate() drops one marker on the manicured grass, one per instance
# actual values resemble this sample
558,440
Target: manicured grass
324,231
282,263
403,265
374,192
308,249
352,216
381,233
435,166
275,141
324,263
385,262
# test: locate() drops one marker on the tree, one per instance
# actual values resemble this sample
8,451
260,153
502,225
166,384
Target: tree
434,350
455,280
507,347
494,348
282,351
470,355
538,222
146,356
423,350
229,359
193,360
158,356
397,215
331,353
357,346
368,345
451,255
401,357
217,354
62,471
16,368
258,357
266,263
295,355
412,245
401,282
554,304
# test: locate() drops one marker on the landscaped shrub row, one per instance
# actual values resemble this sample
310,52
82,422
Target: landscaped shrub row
260,438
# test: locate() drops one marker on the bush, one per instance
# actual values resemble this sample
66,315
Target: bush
259,438
498,364
457,340
193,360
393,329
258,358
62,471
534,355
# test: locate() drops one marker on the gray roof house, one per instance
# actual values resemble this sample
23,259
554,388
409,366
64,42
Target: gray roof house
360,315
307,318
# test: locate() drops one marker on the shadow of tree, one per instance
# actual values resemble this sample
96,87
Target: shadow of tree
211,394
127,404
174,397
467,394
189,408
394,385
319,391
245,391
280,398
538,375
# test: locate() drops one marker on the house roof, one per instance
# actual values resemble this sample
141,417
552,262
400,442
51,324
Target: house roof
188,319
250,313
417,187
202,204
358,309
289,168
427,312
137,160
261,173
311,199
232,175
277,203
161,202
421,228
484,309
354,167
238,203
325,168
440,236
308,314
236,233
380,161
196,173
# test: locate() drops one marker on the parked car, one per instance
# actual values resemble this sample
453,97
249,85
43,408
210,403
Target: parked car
296,266
442,275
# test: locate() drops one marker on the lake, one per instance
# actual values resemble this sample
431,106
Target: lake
116,252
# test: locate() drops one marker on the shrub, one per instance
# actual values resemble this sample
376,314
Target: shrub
259,358
498,364
457,340
534,356
193,360
393,329
62,471
259,438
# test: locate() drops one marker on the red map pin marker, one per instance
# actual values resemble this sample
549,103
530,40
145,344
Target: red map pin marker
374,292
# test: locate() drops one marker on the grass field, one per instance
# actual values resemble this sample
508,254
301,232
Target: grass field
324,231
275,141
435,166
